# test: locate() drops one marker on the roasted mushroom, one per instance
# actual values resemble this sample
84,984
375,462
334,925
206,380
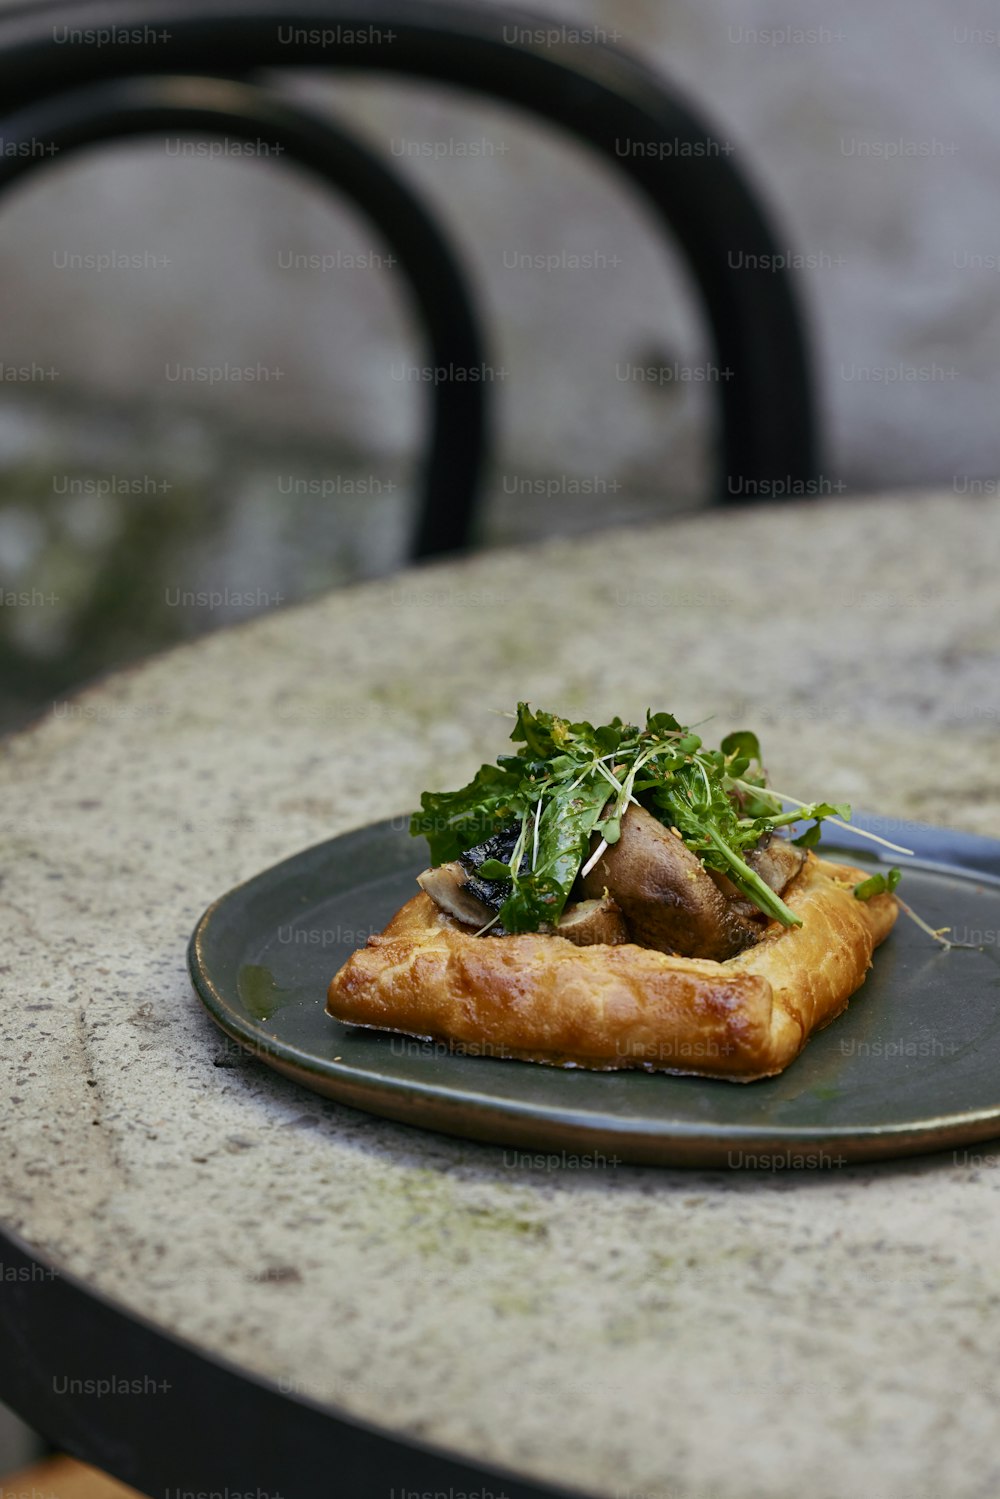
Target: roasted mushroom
775,859
587,922
668,898
448,886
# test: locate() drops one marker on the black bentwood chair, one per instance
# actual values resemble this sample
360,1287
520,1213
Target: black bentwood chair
73,75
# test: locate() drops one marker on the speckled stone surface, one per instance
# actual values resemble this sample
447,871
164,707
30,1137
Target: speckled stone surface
627,1331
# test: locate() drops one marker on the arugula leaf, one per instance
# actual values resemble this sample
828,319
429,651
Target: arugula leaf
543,733
540,893
810,837
453,821
878,884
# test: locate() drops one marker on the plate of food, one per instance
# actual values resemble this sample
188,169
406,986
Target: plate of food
618,944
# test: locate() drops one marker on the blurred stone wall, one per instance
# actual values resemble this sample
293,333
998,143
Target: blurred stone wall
135,468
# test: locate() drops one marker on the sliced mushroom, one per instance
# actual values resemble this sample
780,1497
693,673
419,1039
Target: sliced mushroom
775,859
447,885
668,899
587,922
458,888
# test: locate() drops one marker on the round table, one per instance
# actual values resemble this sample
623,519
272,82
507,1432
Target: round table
338,1303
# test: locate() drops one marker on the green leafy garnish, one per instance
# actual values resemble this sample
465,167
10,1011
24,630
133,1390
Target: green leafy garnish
453,821
568,782
878,884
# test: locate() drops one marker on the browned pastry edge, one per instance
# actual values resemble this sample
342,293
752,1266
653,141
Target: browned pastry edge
542,999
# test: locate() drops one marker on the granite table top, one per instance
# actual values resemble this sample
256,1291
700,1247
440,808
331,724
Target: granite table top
625,1331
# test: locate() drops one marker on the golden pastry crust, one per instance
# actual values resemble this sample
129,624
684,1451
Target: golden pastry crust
542,999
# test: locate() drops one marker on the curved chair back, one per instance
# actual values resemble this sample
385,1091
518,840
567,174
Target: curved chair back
605,98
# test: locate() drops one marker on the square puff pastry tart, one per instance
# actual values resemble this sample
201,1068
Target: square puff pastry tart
539,997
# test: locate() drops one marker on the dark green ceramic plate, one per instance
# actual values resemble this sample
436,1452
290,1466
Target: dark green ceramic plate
913,1065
